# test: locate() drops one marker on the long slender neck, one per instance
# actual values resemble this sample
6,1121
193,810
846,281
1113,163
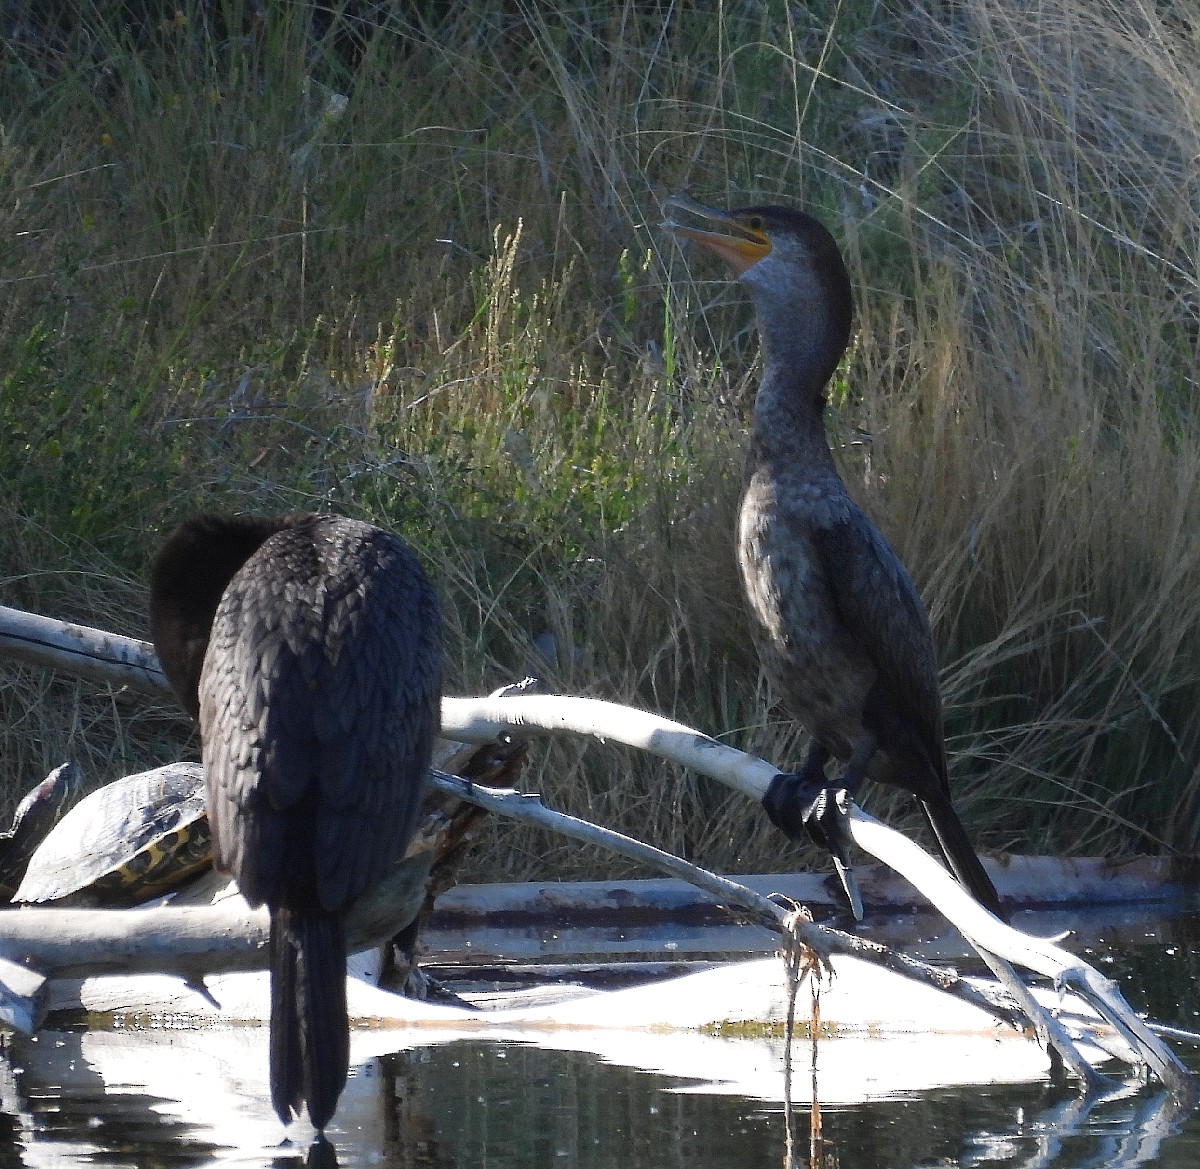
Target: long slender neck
800,353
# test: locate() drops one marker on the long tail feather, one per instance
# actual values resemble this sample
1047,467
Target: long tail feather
960,854
310,1036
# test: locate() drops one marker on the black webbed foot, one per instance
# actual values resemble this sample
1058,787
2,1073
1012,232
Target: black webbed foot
804,807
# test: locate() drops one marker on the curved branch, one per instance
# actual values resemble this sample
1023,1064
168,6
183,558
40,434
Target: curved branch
95,653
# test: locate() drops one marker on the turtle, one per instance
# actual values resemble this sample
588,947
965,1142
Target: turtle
35,816
131,840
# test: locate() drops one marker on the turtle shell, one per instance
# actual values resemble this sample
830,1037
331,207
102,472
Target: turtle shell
131,840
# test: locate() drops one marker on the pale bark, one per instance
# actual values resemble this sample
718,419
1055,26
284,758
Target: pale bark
125,661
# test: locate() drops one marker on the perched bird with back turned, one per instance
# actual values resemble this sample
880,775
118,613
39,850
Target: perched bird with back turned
309,649
839,626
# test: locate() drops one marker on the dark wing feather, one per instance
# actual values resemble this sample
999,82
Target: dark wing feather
880,607
319,704
379,709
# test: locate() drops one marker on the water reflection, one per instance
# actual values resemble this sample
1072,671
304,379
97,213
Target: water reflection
507,1104
186,1097
483,1102
322,1154
1128,1135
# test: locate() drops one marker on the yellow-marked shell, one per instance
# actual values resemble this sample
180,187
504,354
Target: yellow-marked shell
133,839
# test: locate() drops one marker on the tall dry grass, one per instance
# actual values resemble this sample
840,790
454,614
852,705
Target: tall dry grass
449,309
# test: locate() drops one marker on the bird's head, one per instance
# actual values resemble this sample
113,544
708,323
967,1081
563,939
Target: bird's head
791,265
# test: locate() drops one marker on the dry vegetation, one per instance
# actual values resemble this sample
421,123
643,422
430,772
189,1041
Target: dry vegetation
448,309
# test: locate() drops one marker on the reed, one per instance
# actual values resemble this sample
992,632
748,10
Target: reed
444,305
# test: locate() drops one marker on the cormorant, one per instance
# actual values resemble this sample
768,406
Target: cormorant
839,626
309,649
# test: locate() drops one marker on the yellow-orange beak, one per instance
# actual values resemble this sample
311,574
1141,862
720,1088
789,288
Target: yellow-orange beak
739,245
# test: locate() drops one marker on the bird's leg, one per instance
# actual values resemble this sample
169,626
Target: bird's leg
856,769
803,804
794,798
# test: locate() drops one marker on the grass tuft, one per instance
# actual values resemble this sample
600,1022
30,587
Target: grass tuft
413,273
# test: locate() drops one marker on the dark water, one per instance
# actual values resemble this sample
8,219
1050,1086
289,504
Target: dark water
167,1098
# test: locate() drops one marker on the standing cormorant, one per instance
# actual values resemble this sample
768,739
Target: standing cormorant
309,649
839,626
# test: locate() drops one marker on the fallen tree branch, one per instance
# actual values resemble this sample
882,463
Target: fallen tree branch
466,718
118,661
126,661
190,940
988,933
823,940
107,658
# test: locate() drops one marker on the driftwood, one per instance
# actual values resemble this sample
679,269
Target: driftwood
1133,1041
208,926
192,940
745,902
107,658
482,720
990,936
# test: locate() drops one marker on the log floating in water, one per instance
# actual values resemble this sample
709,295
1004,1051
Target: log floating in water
1045,883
